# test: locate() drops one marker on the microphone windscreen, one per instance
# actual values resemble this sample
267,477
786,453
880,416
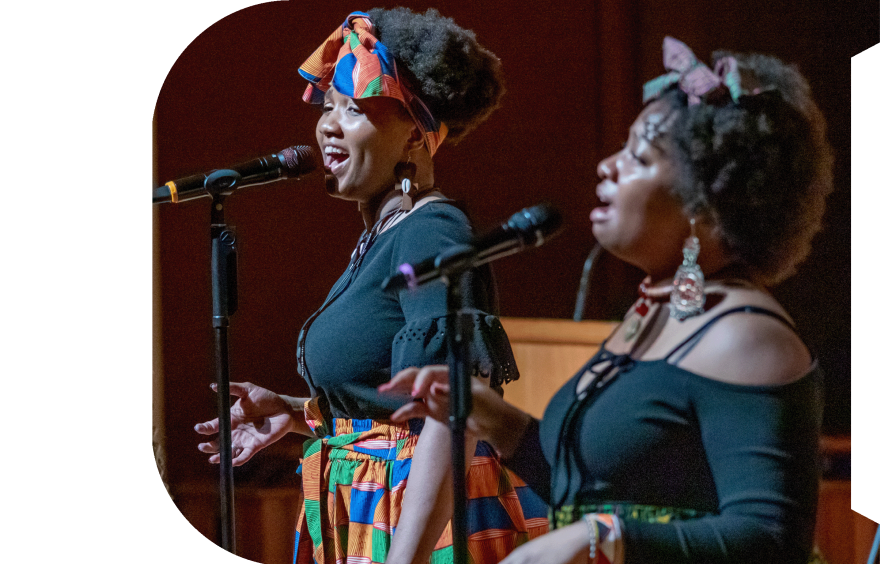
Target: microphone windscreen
299,159
537,223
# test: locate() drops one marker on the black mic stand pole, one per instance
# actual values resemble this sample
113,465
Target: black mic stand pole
224,302
460,337
219,184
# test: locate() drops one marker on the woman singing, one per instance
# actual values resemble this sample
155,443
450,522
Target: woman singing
691,436
392,85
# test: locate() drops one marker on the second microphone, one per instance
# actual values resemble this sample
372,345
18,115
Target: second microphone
530,227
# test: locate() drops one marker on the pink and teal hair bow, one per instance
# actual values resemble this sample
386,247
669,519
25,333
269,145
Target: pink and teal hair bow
358,65
694,78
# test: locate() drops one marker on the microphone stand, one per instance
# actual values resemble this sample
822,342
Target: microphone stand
527,227
223,304
219,184
460,337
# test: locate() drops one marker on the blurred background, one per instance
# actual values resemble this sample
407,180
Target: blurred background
574,72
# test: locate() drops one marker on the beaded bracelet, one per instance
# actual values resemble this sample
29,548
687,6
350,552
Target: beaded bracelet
607,548
593,536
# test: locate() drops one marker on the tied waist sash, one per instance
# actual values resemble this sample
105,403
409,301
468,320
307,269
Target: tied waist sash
381,450
349,438
354,479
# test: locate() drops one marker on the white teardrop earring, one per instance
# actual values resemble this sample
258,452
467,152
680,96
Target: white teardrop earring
405,172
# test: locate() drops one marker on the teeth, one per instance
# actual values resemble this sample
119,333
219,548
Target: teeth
329,150
605,193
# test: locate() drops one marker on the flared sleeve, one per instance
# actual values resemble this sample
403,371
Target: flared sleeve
422,340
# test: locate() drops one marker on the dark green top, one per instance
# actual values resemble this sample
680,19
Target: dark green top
739,461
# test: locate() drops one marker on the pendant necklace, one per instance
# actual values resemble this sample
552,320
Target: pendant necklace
647,297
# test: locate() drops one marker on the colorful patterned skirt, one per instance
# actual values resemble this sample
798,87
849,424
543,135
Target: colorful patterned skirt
354,479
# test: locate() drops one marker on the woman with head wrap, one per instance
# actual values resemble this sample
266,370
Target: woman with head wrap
691,436
392,85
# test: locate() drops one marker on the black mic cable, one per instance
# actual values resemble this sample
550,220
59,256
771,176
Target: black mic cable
585,280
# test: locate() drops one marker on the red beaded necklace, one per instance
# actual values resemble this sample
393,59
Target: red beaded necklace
647,296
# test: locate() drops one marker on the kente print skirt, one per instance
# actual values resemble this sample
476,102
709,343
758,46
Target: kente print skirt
353,481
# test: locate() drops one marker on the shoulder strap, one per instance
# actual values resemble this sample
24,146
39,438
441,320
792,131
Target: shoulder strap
688,344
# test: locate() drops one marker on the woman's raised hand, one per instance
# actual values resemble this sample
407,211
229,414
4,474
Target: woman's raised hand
568,545
491,419
258,419
429,385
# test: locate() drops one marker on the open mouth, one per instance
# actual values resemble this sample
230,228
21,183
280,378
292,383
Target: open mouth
599,214
334,158
605,193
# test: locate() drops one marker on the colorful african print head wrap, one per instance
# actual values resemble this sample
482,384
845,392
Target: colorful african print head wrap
358,65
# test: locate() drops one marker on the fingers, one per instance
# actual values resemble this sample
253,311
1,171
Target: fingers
400,383
435,406
238,389
415,381
426,377
439,390
207,428
242,455
429,383
411,410
210,447
239,455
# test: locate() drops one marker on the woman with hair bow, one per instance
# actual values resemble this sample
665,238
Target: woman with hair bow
691,436
392,86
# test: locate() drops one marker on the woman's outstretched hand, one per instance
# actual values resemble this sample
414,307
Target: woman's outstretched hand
492,419
258,419
568,545
429,386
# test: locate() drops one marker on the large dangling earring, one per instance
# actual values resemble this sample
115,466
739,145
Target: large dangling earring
405,172
688,287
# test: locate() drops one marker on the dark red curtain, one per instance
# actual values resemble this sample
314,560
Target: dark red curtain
574,72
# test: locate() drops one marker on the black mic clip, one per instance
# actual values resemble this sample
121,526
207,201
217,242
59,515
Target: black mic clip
530,227
449,263
222,182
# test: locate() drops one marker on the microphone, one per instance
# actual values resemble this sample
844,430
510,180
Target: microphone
530,227
292,161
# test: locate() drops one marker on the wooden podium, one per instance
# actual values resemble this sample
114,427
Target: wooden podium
548,353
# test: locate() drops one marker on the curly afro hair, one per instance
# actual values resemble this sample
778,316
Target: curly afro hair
459,80
760,168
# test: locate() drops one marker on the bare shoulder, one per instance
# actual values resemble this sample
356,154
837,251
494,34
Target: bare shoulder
751,348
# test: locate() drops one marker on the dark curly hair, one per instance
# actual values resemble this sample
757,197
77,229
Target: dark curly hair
760,168
459,80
